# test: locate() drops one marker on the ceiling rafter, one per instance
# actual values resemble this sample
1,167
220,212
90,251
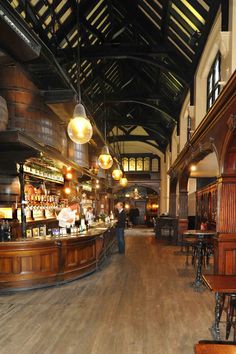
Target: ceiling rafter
147,46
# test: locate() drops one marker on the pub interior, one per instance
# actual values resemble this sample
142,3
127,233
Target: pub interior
113,101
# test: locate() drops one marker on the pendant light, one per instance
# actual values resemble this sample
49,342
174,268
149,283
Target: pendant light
123,181
105,160
117,173
79,128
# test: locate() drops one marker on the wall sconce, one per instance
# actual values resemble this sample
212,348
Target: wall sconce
193,168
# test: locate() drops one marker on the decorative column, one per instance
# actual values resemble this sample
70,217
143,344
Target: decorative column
225,243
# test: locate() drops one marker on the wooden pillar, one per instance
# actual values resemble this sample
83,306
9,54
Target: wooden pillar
172,204
225,243
22,201
183,211
172,198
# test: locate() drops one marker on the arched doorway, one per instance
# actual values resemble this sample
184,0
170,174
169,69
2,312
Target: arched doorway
141,203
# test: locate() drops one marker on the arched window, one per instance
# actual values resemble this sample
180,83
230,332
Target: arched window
155,165
139,164
132,164
146,164
125,164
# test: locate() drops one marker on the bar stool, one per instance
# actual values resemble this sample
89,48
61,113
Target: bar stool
208,251
231,316
190,243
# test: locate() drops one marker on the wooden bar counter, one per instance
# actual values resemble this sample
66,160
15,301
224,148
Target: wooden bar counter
35,263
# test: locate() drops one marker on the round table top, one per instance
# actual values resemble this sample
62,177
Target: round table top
200,232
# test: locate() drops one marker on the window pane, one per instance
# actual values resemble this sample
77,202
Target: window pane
210,83
155,165
217,71
146,164
139,164
132,164
217,92
125,164
210,102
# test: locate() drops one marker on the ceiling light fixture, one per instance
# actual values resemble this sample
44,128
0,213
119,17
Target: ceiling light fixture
105,160
117,174
123,181
79,128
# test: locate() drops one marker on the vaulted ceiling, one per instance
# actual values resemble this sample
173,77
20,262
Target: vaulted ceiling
137,58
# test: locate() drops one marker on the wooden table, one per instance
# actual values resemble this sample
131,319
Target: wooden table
215,349
201,235
220,285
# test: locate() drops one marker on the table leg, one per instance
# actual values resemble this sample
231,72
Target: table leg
198,280
216,324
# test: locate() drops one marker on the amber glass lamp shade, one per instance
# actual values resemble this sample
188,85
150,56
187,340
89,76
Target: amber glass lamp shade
67,190
117,173
79,128
105,160
123,181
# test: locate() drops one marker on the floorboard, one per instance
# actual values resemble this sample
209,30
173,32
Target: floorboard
139,303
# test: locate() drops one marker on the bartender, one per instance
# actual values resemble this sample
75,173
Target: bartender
67,216
89,216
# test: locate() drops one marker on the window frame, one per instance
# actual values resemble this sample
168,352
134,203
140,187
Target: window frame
211,95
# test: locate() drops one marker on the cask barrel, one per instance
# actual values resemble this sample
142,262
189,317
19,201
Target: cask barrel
27,110
9,189
3,114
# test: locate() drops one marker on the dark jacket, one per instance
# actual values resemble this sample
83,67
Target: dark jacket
121,218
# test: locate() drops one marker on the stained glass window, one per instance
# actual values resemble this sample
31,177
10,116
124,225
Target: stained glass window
146,164
132,164
139,164
155,165
125,164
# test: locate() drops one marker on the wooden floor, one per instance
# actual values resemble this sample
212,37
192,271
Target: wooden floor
140,303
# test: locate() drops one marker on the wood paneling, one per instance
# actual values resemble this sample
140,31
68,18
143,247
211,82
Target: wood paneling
225,254
206,200
227,206
37,263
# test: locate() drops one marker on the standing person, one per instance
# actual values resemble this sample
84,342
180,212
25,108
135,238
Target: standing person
89,216
120,227
67,215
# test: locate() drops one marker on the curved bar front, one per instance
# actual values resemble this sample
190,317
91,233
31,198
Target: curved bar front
36,263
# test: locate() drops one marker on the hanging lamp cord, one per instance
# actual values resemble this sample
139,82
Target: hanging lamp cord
105,108
78,54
